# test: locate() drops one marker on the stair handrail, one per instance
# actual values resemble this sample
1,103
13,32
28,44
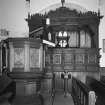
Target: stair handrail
82,93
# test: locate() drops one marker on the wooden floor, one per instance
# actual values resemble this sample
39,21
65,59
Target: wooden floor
27,100
58,99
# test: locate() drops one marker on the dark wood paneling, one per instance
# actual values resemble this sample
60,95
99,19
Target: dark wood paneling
20,42
74,59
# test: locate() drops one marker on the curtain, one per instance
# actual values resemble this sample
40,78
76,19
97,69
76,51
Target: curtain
73,39
88,40
82,39
85,39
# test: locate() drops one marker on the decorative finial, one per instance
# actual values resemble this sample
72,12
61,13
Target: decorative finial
28,8
98,11
62,1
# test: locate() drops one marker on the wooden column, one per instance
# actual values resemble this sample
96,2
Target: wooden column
26,61
6,51
78,37
41,58
11,58
0,58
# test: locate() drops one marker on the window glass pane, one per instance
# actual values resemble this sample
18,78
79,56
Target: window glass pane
60,34
65,34
88,40
64,43
82,39
73,39
61,43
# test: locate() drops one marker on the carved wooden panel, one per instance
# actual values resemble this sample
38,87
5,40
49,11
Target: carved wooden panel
91,59
92,68
34,58
63,16
79,68
79,59
57,68
47,59
19,57
68,67
57,51
30,88
57,59
68,58
72,59
46,85
48,68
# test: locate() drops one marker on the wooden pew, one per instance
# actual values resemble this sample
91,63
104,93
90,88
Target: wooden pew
99,88
7,89
102,79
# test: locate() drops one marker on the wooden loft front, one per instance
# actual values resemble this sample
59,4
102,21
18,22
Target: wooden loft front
76,36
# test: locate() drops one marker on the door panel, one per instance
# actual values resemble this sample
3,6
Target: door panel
59,83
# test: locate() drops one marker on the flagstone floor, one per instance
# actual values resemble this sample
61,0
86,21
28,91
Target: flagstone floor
59,99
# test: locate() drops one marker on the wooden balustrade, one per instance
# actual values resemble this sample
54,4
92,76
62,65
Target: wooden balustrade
99,88
82,94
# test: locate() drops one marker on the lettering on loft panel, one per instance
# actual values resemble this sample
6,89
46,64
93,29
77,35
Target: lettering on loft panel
18,57
34,58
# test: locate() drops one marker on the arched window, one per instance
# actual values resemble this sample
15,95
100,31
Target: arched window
60,34
65,34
